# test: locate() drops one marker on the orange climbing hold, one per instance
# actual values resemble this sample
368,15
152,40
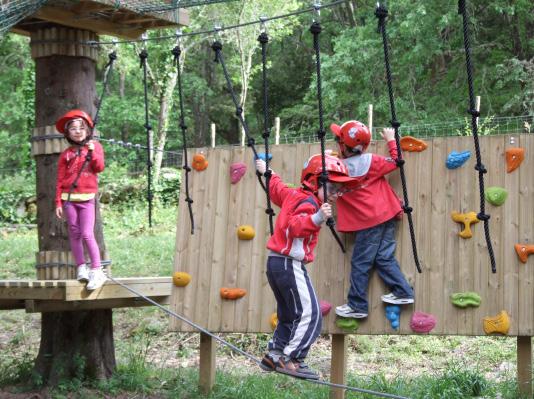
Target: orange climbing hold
523,251
232,293
273,321
514,157
467,219
497,324
181,279
200,162
409,143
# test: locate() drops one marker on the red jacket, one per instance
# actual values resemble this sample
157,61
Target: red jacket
69,164
370,200
297,224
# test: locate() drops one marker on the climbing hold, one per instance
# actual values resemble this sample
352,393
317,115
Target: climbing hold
496,195
465,299
523,251
347,324
237,171
261,155
514,157
245,232
409,143
181,279
273,321
232,293
422,322
325,307
291,185
456,159
497,324
466,219
200,162
393,315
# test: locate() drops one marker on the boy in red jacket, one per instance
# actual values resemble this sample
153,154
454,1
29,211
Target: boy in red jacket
369,207
76,188
302,213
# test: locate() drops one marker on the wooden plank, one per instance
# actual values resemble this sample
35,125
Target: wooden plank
338,365
111,290
38,306
8,304
524,365
206,378
17,292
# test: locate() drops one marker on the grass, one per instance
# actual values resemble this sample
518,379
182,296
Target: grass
156,363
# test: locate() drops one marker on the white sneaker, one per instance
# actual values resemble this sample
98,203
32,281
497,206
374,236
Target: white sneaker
391,298
82,273
97,278
346,311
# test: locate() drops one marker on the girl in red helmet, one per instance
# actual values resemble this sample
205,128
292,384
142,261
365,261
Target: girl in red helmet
76,188
369,207
302,212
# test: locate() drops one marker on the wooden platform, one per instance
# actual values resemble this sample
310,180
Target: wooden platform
65,295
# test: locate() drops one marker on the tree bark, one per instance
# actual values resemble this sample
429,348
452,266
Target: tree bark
81,342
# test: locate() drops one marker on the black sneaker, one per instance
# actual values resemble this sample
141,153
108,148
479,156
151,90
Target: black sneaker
295,368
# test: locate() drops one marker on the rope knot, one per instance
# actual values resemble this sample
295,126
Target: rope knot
330,222
183,126
112,56
187,168
407,209
268,173
399,162
189,200
238,111
481,168
148,126
315,28
266,135
269,211
176,52
251,142
263,38
474,112
143,55
483,216
395,124
321,133
381,13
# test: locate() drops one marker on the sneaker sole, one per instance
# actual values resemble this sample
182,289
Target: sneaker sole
83,279
398,301
351,315
295,374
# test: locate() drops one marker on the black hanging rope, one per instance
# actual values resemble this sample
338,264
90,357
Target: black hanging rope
143,55
382,13
263,38
315,29
217,47
482,215
176,51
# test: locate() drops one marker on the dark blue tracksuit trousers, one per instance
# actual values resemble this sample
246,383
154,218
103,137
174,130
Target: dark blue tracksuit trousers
299,315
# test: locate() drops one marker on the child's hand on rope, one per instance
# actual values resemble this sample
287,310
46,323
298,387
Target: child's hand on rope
326,211
59,212
90,145
388,134
261,166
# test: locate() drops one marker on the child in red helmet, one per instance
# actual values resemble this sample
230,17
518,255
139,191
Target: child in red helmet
369,207
302,212
76,188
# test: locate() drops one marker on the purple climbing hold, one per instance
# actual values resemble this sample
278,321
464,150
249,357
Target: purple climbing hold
237,171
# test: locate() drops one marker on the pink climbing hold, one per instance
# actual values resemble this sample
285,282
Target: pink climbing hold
325,307
422,322
237,171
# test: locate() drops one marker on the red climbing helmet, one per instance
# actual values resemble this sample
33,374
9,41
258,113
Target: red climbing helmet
337,171
352,136
73,114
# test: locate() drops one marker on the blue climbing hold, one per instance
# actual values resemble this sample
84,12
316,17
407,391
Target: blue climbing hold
393,315
457,159
261,155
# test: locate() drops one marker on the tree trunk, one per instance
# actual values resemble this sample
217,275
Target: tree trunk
81,342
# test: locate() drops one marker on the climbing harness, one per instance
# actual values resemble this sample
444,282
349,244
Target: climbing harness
263,38
244,353
482,215
143,55
108,68
315,29
381,13
176,51
217,47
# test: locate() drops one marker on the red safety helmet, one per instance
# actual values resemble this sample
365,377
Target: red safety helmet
337,171
74,114
352,136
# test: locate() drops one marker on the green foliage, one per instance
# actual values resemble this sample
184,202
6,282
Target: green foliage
14,193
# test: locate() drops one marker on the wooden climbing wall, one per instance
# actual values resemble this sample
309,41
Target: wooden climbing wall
216,258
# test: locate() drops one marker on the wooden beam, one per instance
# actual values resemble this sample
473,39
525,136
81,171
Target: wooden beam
7,304
35,306
206,379
338,365
524,365
160,286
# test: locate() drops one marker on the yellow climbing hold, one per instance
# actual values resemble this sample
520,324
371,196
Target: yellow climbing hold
497,324
467,219
245,232
181,279
273,321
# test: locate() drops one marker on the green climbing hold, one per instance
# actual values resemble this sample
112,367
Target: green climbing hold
348,324
465,299
496,195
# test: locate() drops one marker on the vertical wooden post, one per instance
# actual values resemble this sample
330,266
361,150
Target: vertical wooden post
370,118
277,130
477,105
213,132
206,378
524,365
338,365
